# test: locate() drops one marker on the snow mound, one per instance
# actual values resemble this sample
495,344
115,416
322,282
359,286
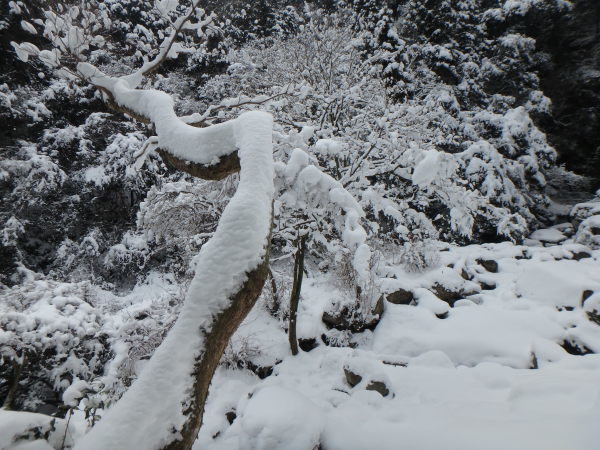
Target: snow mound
276,418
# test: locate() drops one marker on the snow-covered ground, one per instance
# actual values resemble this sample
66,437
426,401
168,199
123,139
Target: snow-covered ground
498,370
495,348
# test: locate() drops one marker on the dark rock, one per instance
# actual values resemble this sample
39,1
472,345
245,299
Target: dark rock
581,255
378,310
489,264
393,363
332,320
260,371
524,255
352,378
594,316
585,295
448,295
466,275
533,364
487,286
47,409
346,319
378,386
575,348
442,316
595,231
400,297
231,416
307,344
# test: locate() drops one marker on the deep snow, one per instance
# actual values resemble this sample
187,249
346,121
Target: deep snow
464,382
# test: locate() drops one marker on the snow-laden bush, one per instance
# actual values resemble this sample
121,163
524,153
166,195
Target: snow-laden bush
419,255
50,336
473,169
177,218
586,218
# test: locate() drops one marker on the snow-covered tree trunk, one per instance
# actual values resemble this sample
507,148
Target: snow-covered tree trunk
164,406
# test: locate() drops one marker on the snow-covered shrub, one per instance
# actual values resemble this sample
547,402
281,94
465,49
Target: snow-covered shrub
240,352
276,294
359,305
25,429
50,336
180,216
586,218
418,256
141,335
483,156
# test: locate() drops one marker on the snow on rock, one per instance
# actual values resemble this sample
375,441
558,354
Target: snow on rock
469,376
277,418
23,430
582,211
434,358
557,283
551,235
426,299
588,232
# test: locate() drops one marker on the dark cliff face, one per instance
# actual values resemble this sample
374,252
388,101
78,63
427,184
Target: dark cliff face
572,80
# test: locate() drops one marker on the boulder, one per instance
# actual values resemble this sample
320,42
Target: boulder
574,347
378,386
487,286
450,296
230,416
352,378
400,297
585,295
581,255
488,264
307,344
466,275
548,236
346,318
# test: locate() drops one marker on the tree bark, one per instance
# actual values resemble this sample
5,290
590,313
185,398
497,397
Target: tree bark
17,368
227,165
216,340
296,288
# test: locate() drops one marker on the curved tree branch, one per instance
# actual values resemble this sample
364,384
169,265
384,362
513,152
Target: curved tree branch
163,408
227,165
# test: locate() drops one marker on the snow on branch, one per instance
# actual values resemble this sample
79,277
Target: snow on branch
156,403
165,404
307,187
